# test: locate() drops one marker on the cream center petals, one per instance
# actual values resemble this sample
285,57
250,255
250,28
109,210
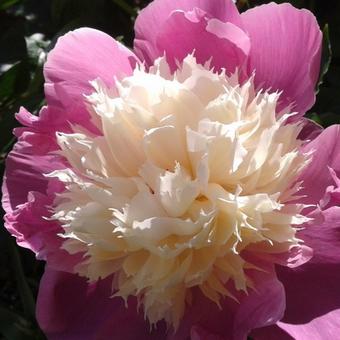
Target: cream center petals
191,170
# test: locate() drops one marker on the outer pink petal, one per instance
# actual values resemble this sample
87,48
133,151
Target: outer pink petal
79,57
262,308
321,328
29,160
150,20
326,153
323,235
312,289
68,308
259,308
224,44
285,52
27,193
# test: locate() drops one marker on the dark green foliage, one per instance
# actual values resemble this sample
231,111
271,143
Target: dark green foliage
28,30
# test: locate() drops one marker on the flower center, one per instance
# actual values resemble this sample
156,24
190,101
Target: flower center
190,171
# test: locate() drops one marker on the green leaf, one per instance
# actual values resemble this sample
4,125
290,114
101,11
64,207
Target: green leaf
14,81
4,4
316,118
7,81
326,57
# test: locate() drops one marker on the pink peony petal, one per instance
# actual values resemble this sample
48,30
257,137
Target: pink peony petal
235,320
285,52
27,193
27,210
295,257
317,177
68,308
151,19
204,316
324,327
69,69
225,44
312,290
79,57
323,235
260,308
29,159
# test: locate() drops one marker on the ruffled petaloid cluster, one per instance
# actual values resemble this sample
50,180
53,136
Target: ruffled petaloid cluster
190,170
183,179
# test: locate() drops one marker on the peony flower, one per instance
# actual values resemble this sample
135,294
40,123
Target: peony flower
176,191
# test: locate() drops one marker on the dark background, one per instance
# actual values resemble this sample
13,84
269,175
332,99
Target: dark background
28,30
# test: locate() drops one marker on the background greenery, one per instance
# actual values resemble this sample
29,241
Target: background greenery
28,30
